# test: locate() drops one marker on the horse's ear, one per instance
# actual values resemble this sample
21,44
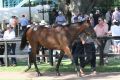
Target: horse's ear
87,23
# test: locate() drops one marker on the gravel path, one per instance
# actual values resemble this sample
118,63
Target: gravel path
51,76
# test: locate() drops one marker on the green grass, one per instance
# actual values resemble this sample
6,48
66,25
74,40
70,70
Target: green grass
112,66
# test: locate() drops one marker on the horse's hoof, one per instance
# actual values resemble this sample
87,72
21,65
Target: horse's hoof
25,70
93,73
80,74
57,74
40,74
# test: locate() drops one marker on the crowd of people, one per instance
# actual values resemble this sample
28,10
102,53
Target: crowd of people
103,25
108,24
9,32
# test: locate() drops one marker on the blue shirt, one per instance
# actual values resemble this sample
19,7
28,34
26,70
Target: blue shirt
24,22
74,19
60,19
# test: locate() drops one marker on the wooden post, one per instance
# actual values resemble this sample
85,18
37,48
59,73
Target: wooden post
103,42
51,57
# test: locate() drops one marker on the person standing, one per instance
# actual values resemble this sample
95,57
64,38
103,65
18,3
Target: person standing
116,15
2,48
23,23
53,16
108,18
60,19
101,30
90,51
91,19
3,25
9,34
115,31
74,18
96,16
13,22
78,54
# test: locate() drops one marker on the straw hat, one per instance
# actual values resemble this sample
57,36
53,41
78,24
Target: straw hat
59,12
43,22
28,26
114,21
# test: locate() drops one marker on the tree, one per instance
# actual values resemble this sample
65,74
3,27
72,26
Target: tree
83,6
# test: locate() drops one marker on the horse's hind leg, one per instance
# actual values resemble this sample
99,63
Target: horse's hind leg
58,63
30,62
34,52
36,68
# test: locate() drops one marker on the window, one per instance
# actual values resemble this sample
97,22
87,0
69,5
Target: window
33,3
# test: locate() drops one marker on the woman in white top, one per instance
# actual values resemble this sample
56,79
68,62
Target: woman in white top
115,31
8,35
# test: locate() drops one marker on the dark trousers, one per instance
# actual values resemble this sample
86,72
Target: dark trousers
2,48
109,25
78,54
90,53
11,51
23,29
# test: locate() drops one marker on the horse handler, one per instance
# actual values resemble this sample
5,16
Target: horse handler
90,52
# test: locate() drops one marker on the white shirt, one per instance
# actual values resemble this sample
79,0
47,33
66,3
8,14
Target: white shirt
9,34
115,30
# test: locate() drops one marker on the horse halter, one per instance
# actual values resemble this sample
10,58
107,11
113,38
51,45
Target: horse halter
89,31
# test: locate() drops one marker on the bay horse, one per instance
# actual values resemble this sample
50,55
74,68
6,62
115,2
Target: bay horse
59,37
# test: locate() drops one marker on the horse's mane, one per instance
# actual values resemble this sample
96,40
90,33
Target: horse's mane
62,26
80,23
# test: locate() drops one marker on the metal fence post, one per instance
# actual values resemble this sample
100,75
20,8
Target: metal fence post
6,55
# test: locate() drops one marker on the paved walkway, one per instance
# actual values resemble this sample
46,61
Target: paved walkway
51,76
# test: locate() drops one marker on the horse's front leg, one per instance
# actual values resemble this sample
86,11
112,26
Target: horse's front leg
58,63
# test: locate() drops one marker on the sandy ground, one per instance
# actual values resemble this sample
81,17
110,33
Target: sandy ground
51,76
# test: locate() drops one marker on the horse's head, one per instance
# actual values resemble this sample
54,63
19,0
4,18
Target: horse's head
89,31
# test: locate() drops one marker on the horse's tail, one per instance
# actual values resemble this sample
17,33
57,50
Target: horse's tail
24,40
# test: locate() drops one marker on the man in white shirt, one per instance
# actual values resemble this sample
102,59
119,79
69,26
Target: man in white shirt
8,35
